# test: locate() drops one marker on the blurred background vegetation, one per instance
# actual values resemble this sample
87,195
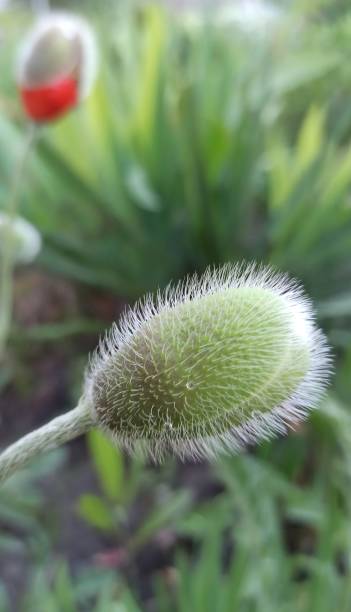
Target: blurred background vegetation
210,137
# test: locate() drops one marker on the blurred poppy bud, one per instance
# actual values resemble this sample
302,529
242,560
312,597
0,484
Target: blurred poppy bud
230,358
25,238
56,66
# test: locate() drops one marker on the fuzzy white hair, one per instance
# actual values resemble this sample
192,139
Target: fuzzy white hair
258,425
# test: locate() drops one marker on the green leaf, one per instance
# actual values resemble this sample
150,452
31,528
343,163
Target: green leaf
168,512
108,463
94,510
150,72
64,591
58,331
310,139
339,306
140,190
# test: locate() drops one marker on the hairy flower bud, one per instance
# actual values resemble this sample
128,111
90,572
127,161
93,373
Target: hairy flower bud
25,239
215,363
57,66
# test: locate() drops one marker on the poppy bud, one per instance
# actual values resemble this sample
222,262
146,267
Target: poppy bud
230,358
56,66
25,238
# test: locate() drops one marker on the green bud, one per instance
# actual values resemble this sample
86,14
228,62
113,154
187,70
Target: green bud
24,238
218,362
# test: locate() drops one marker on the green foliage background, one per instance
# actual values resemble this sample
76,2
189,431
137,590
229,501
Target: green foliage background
201,145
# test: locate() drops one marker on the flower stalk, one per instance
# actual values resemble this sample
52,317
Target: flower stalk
8,255
60,430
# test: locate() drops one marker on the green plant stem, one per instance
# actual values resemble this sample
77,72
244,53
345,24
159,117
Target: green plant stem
7,259
60,430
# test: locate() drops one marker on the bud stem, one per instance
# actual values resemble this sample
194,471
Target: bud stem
6,262
58,431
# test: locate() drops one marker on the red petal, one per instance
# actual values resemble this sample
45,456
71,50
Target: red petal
48,102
